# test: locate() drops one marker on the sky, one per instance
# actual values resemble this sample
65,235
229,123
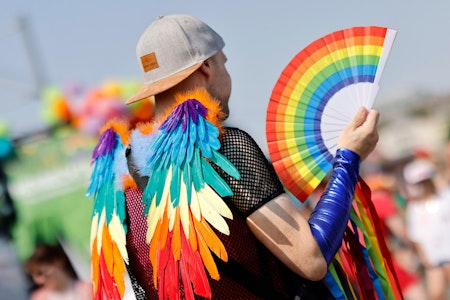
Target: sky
89,42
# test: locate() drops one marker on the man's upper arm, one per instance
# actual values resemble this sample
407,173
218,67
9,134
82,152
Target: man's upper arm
281,226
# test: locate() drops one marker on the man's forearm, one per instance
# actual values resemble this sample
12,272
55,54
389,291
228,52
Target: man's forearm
331,214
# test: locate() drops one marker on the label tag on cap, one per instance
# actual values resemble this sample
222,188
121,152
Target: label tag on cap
149,62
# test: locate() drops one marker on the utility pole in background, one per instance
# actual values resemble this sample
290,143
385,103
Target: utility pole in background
26,90
22,80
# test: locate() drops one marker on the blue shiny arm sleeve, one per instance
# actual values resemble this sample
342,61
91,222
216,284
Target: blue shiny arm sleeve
331,214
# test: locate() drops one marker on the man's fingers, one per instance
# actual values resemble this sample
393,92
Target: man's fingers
359,118
372,118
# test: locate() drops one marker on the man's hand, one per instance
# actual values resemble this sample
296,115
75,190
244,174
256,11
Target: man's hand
360,135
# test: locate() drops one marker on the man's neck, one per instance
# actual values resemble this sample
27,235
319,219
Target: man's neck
162,103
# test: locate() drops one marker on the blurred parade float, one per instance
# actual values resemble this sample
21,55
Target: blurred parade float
49,172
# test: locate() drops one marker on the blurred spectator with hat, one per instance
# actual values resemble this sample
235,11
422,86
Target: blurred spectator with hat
428,222
393,228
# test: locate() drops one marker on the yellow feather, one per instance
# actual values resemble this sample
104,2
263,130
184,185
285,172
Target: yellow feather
101,226
216,202
94,229
184,209
169,209
195,206
171,214
118,236
211,215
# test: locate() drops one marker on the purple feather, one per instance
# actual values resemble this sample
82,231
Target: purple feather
189,109
106,144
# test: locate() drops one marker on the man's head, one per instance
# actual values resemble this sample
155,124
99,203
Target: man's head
419,175
172,48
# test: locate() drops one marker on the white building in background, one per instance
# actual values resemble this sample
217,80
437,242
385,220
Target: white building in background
421,121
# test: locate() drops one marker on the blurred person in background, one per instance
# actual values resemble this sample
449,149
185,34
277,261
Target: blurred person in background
7,209
428,223
54,276
393,228
443,177
12,277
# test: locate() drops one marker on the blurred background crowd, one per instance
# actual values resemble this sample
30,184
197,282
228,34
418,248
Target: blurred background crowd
45,168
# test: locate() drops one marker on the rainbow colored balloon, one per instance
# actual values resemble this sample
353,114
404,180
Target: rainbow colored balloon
316,95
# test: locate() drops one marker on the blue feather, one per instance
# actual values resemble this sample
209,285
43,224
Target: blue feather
191,140
215,181
188,180
175,186
213,135
201,131
182,148
222,162
120,205
109,201
197,176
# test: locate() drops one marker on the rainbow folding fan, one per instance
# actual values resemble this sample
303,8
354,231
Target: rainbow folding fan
316,95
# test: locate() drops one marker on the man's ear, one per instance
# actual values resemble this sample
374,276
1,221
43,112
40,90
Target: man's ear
205,68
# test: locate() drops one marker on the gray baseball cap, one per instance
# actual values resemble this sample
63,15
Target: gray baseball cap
171,49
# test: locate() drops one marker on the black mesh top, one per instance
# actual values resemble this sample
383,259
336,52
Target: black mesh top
252,271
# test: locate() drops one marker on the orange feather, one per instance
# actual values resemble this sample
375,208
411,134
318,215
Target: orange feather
192,233
95,260
211,239
176,238
164,230
119,271
205,253
107,249
154,250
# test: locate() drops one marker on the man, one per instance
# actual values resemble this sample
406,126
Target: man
274,252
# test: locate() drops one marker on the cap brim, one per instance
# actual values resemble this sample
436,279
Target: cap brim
162,85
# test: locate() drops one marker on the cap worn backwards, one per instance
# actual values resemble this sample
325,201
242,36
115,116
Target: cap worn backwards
171,49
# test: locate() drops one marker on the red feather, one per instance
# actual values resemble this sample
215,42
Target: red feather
162,293
163,260
185,276
195,269
109,288
172,279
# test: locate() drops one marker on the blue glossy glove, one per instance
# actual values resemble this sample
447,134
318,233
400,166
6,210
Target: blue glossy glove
331,214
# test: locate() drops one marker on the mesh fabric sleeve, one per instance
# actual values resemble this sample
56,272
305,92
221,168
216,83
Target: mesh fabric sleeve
259,182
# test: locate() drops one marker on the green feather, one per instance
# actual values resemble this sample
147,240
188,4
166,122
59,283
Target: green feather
175,185
214,180
221,161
